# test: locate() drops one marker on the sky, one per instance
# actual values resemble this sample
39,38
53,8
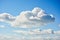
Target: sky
28,18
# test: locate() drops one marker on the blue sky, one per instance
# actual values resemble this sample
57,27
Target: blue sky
15,7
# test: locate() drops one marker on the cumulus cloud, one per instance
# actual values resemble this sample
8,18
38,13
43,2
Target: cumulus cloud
36,17
27,19
4,17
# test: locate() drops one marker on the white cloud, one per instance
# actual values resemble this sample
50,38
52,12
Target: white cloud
35,32
35,18
4,17
28,19
9,37
13,37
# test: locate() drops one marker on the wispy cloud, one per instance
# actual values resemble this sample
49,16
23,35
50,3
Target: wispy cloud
14,37
37,32
36,17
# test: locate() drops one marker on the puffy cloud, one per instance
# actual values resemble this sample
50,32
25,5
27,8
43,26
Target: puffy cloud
28,19
4,17
35,18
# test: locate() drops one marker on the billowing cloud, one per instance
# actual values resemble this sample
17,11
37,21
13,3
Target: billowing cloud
27,19
35,18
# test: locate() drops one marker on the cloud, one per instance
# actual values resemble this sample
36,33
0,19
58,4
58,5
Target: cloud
9,37
28,19
35,18
4,17
57,32
14,37
37,32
